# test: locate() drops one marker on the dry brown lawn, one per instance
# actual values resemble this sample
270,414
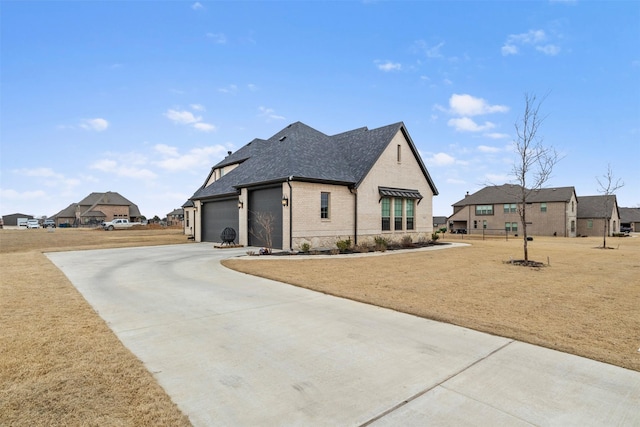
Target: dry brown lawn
60,364
586,302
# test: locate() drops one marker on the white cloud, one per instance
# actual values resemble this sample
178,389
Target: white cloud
197,6
389,66
197,157
535,38
204,127
467,105
440,159
122,170
429,51
269,114
252,87
497,178
228,89
217,38
39,172
465,124
549,49
10,194
488,149
187,118
96,124
182,117
496,135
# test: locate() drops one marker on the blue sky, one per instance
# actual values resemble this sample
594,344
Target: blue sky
143,97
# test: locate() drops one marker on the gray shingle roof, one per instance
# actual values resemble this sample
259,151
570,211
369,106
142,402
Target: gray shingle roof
511,193
595,207
629,214
306,154
88,203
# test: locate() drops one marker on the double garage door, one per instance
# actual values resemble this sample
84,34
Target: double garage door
264,218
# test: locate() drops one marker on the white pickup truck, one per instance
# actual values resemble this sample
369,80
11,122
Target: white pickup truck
119,223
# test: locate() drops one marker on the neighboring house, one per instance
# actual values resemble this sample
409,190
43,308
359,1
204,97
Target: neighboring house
439,222
494,210
595,213
11,220
630,217
96,208
175,217
302,186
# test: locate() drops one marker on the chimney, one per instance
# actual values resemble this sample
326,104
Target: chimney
228,153
466,195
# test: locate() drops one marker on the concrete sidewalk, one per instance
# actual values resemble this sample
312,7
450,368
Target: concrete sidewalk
236,350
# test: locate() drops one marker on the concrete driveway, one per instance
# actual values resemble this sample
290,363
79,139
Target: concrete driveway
236,350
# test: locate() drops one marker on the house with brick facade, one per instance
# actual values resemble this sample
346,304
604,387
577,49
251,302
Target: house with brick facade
598,215
630,218
175,217
96,208
301,186
494,210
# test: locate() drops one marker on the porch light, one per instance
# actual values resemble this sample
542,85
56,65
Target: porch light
240,204
285,201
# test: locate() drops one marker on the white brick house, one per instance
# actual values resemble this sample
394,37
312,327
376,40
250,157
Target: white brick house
317,189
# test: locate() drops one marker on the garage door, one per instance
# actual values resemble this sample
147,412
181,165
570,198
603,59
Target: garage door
265,217
216,216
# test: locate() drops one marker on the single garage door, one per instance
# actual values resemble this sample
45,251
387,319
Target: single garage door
218,215
265,217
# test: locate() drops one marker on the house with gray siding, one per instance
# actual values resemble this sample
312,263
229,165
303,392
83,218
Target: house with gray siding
301,186
630,217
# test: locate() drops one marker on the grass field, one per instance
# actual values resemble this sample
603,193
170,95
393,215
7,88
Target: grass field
60,364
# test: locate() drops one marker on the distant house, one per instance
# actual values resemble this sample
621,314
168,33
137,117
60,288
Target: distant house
12,219
494,210
98,207
630,217
175,217
302,186
597,215
439,222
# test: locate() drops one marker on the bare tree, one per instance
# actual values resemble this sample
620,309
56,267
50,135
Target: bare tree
263,230
607,188
535,162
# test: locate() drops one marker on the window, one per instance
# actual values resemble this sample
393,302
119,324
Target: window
543,207
324,205
509,207
399,153
475,223
589,223
571,206
484,209
397,214
514,227
573,224
484,223
386,214
409,209
507,226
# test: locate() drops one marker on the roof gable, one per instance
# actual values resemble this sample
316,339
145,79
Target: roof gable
302,153
597,206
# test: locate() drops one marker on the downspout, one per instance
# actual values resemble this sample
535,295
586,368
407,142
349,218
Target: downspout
355,215
290,213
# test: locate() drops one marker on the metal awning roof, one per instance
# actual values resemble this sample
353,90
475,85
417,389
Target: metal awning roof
399,192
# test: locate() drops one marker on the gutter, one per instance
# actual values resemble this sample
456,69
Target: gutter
354,191
290,213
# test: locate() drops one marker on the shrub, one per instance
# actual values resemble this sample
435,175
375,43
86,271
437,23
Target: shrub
305,247
334,251
406,241
435,236
343,245
362,248
381,243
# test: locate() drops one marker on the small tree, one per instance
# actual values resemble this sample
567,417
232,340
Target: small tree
607,188
263,230
534,163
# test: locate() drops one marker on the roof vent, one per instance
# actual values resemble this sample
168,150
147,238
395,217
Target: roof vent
282,138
